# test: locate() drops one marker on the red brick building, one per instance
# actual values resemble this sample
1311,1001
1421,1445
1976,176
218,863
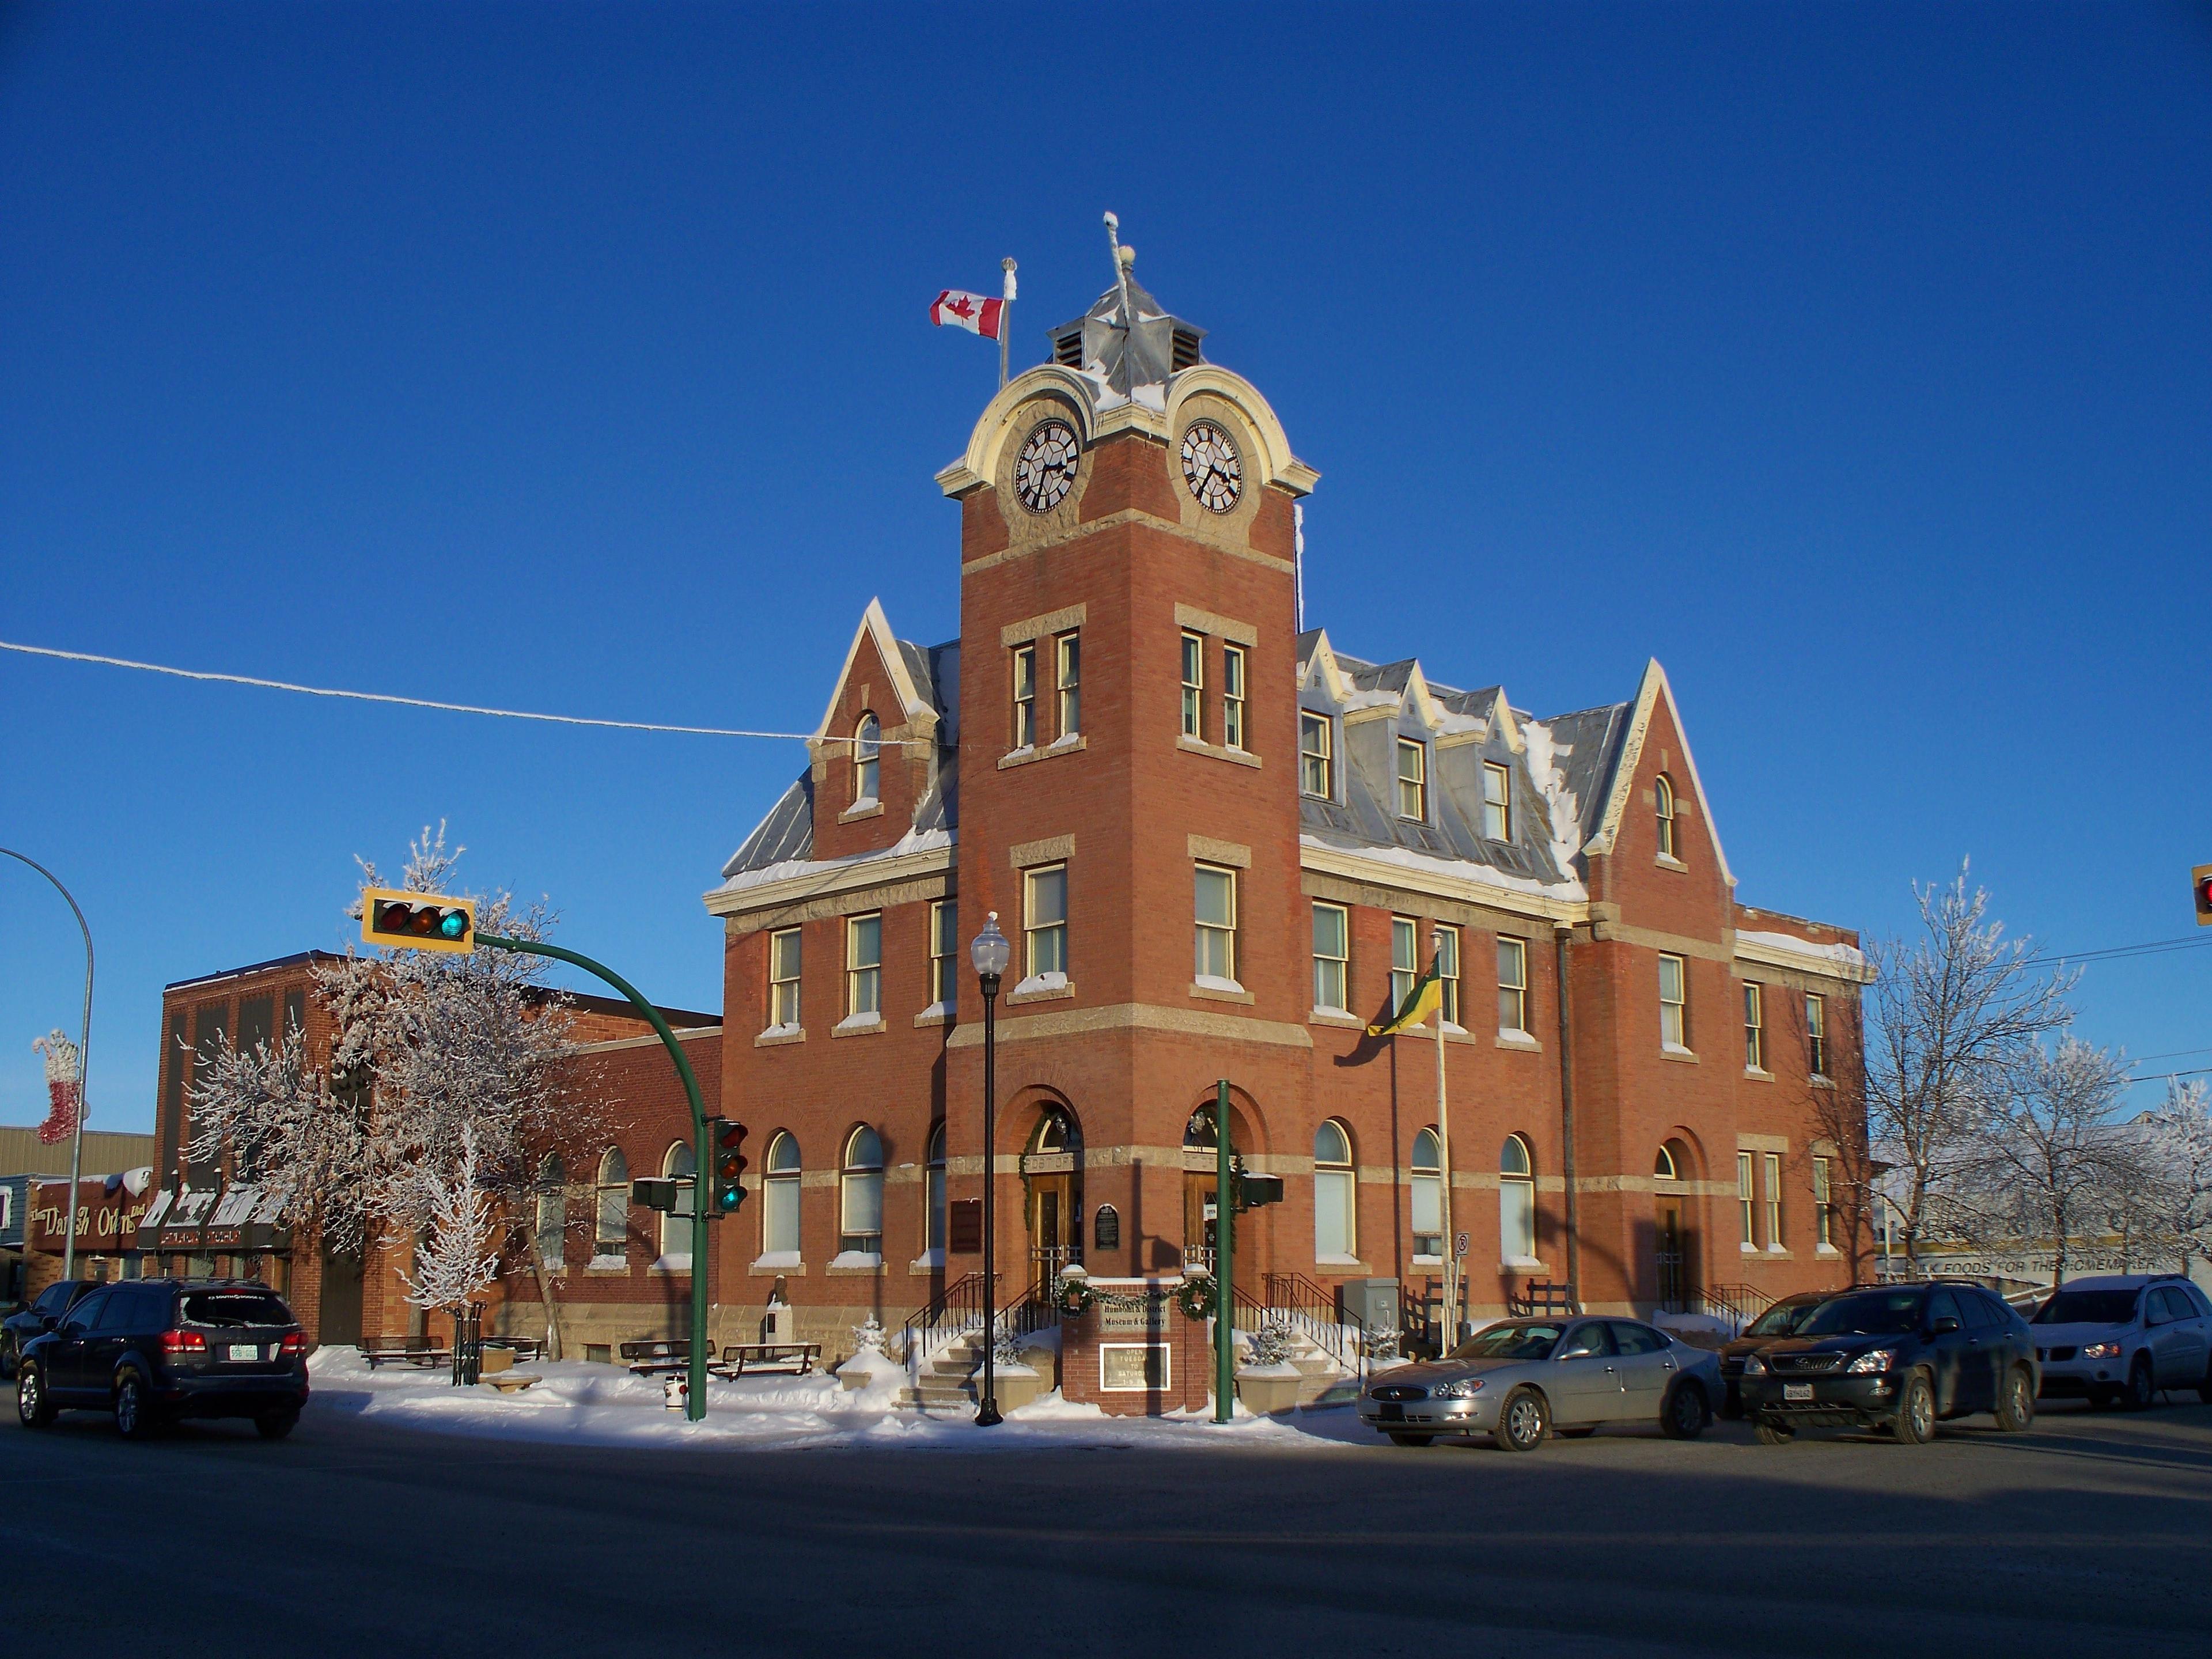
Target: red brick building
1221,848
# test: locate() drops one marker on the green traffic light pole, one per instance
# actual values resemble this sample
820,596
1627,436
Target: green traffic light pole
1224,1256
695,1403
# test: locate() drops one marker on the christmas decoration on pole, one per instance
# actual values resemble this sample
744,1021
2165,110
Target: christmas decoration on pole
83,1053
64,1090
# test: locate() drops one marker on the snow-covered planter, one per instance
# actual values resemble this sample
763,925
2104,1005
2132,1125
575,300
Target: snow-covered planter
1265,1390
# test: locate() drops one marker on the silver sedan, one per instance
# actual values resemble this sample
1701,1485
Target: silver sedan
1522,1379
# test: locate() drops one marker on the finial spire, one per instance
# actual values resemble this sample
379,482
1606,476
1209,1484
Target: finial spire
1124,258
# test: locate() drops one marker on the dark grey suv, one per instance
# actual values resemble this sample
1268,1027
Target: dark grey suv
152,1350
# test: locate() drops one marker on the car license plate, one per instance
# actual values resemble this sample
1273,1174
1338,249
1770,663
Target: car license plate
1390,1413
243,1351
1796,1390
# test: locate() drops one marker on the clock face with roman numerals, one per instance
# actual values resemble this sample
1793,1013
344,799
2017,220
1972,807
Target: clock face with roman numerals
1210,466
1045,469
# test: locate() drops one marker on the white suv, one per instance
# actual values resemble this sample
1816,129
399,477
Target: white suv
2123,1337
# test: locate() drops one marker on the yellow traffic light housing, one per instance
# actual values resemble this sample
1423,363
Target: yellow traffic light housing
418,921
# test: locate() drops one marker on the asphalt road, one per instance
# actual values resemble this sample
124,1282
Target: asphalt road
2092,1536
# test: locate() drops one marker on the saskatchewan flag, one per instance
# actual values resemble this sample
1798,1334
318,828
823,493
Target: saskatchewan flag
1424,999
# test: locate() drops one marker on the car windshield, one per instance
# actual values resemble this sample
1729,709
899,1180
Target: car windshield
1519,1340
2088,1308
1782,1319
235,1307
1876,1313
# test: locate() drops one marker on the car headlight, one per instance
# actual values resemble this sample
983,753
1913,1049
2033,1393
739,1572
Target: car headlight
1754,1366
1463,1390
1874,1359
2101,1351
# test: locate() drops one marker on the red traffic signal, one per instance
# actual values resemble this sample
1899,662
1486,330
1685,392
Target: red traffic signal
726,1137
2200,883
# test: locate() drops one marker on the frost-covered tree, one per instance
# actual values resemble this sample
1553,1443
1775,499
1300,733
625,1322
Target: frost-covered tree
1946,1015
2052,1152
455,1261
440,1062
2177,1149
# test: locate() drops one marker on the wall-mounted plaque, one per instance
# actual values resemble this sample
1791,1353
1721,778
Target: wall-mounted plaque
1133,1367
1106,1228
963,1226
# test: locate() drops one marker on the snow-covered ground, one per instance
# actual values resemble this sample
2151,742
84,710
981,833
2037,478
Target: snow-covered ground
585,1404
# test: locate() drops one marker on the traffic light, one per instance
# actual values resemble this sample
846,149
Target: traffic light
727,1136
1247,1191
2200,883
418,921
654,1193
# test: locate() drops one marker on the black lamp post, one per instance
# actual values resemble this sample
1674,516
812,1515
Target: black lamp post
990,953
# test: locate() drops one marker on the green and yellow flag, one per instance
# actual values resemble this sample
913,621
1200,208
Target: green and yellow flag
1424,1000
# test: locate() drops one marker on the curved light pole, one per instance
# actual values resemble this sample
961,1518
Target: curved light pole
83,1066
990,953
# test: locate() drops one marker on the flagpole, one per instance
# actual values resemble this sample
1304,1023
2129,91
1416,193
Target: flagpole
1444,1169
1006,320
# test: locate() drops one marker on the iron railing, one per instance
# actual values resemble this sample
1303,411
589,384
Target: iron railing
956,1311
1313,1313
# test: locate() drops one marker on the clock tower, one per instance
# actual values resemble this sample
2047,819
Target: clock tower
1128,777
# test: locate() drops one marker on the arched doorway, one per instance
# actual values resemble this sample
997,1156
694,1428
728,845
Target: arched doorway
1052,1191
1673,1231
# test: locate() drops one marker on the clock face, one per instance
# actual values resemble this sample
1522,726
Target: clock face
1045,469
1211,468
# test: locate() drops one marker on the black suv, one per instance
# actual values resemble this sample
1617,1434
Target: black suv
151,1350
1779,1320
17,1330
1898,1356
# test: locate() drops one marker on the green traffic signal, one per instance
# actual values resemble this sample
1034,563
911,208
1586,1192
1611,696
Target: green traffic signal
726,1137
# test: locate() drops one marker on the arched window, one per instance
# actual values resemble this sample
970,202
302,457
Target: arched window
867,748
1665,1166
682,1166
610,1222
780,1200
1516,1203
1428,1196
860,1195
936,1238
1663,795
552,1212
1198,1133
1332,1206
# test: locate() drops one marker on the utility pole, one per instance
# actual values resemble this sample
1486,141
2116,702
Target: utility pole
83,1068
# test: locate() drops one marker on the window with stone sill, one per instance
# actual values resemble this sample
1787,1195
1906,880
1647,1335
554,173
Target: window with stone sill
780,1173
860,1200
1512,986
1232,696
1332,955
1674,1004
783,960
864,969
1044,924
1193,685
867,750
1067,651
944,954
1428,1196
682,1166
1216,943
1024,725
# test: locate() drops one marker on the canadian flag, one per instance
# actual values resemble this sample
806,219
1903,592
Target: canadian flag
970,311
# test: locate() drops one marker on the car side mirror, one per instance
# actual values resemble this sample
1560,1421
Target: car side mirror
1944,1326
46,1321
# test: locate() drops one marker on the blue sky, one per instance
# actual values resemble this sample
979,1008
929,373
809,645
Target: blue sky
1853,360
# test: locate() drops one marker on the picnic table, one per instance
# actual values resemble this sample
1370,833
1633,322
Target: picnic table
657,1358
403,1350
798,1357
522,1347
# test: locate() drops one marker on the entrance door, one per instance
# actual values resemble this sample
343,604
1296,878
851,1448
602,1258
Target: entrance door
1198,1232
1672,1244
338,1311
1054,1224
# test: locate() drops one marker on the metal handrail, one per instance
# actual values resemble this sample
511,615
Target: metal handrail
958,1309
1312,1312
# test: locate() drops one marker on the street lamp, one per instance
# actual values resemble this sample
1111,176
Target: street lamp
990,953
83,1066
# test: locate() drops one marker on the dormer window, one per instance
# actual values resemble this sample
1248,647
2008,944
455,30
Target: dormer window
867,748
1316,757
1662,798
1497,801
1412,781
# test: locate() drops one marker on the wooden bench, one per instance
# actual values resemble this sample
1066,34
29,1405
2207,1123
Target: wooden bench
800,1358
522,1347
657,1358
403,1350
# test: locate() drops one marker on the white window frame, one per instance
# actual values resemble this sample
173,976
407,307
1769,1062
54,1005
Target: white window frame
1214,950
1232,696
1319,757
1405,960
867,759
1448,969
1816,1034
1823,1205
1773,1174
1067,682
944,952
1425,1199
677,1224
1335,968
1517,1205
1340,1180
1754,1026
610,1208
1043,939
860,1183
1497,801
1024,690
551,1212
1747,1201
1674,1010
781,1184
1193,685
786,961
863,979
1512,986
1418,784
1663,798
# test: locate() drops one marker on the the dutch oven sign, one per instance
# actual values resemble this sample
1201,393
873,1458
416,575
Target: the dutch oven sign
106,1219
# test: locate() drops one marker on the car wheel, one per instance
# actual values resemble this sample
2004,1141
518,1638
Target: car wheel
34,1410
274,1425
1768,1432
2140,1394
1915,1424
1522,1421
2016,1402
134,1413
1684,1416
